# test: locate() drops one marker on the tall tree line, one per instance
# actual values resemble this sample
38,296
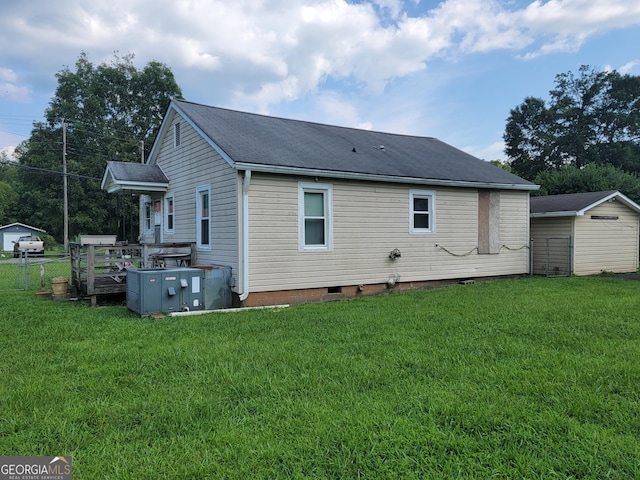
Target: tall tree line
585,137
110,111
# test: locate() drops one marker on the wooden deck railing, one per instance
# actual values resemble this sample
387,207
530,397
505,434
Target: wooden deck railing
102,269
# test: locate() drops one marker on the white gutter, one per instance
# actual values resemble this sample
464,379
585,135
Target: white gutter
245,235
138,187
379,178
556,214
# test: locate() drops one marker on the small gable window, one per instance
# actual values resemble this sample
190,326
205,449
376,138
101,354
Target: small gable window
176,135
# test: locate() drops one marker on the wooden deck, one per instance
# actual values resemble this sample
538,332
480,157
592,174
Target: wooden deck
102,269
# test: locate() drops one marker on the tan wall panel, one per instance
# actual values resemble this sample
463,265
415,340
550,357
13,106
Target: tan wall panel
606,244
370,220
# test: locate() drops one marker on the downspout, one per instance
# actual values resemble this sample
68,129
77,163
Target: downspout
245,235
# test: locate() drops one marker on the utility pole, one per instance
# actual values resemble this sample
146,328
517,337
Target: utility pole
141,151
64,187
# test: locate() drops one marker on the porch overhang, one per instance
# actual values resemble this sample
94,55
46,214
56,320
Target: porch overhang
141,188
134,178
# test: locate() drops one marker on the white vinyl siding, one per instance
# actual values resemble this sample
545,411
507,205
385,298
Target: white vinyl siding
370,220
608,243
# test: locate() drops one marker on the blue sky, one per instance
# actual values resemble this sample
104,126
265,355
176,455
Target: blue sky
451,69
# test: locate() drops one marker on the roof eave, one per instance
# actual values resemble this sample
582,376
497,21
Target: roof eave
379,178
22,225
615,196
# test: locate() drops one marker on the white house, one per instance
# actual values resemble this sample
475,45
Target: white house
304,211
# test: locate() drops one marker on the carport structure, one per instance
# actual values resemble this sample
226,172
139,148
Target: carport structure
584,233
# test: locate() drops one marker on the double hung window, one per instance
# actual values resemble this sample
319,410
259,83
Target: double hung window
203,217
422,211
168,208
315,223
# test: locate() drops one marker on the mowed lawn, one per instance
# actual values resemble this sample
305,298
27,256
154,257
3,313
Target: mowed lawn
530,378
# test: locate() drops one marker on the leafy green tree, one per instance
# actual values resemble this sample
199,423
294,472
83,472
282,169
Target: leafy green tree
528,139
591,118
8,195
109,111
500,164
592,178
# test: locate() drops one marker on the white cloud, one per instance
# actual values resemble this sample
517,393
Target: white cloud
8,75
259,55
627,67
494,151
8,151
9,87
273,51
564,25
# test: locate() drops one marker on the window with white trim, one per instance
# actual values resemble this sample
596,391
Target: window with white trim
422,211
315,211
203,217
168,209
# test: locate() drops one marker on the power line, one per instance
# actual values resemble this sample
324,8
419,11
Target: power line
47,170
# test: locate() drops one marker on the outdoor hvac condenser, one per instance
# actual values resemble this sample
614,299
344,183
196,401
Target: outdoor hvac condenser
164,290
217,286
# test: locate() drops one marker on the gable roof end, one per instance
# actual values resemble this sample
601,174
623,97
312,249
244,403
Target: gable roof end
576,204
23,225
134,177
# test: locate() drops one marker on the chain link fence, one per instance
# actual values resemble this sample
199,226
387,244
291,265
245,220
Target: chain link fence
32,272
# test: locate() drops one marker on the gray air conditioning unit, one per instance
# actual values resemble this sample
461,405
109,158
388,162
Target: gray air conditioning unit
165,290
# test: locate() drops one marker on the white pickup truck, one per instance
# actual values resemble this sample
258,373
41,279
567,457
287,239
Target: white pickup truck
31,244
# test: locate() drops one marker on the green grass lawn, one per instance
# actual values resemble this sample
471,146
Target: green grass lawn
534,378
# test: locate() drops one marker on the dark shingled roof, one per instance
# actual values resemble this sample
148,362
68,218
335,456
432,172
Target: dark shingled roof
252,139
569,203
136,172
